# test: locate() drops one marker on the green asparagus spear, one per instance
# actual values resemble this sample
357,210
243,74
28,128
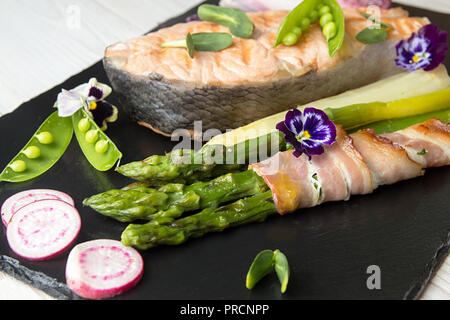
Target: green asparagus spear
159,169
252,209
358,115
387,126
172,200
188,166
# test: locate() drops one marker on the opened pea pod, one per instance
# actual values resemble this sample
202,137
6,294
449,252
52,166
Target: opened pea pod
101,152
328,13
41,152
82,106
90,114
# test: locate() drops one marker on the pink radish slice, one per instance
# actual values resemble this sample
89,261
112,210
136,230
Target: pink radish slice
43,229
21,199
103,268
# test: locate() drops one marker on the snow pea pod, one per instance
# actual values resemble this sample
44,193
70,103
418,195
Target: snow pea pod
98,149
51,139
307,12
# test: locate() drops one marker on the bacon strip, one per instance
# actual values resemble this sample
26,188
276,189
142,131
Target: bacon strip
387,162
291,182
354,164
427,143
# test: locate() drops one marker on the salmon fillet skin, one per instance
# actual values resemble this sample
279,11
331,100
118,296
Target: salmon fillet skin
164,89
355,164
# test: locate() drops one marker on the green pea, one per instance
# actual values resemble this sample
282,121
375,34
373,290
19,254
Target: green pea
329,30
290,39
91,136
84,125
314,16
101,146
325,19
324,10
297,31
18,166
52,145
304,24
32,152
101,152
45,137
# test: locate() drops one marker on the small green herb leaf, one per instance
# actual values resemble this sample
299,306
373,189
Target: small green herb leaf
262,265
190,45
282,269
372,35
212,41
203,41
423,152
237,20
376,21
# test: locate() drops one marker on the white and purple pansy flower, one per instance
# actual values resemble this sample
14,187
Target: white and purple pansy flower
89,96
308,131
423,50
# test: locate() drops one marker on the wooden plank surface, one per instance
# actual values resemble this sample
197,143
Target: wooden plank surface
45,42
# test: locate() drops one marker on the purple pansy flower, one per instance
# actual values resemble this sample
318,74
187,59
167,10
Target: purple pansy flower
307,132
192,17
91,96
423,50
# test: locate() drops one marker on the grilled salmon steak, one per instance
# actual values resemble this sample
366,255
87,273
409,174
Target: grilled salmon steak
164,89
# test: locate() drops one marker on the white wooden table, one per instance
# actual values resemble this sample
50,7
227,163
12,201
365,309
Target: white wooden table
44,42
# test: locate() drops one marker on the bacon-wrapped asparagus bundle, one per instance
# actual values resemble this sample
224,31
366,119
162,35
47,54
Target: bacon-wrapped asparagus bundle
355,164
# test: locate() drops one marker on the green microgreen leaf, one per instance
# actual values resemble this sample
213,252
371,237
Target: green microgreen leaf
212,41
203,41
262,265
190,45
282,269
376,21
423,152
375,33
372,35
236,20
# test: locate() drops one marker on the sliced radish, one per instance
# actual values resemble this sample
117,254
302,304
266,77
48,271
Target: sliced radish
43,229
103,268
21,199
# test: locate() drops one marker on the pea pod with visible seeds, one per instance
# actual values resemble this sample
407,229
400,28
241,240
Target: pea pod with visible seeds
330,16
98,149
42,151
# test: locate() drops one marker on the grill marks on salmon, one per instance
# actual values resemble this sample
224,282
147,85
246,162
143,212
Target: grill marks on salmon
164,89
380,160
251,60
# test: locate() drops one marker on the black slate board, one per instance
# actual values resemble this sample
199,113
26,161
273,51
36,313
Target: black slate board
404,228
